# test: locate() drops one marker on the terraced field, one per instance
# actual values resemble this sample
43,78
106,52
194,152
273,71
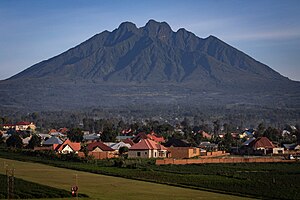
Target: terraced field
105,187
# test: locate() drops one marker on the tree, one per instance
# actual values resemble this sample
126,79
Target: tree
34,142
1,139
108,134
75,135
14,141
216,125
85,151
297,133
272,133
11,131
228,140
260,130
123,150
198,137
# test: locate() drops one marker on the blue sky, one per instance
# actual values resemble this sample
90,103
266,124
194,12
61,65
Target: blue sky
35,30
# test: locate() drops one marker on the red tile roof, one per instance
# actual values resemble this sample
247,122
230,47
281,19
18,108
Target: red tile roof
23,123
63,130
156,138
8,125
52,131
262,142
128,141
101,145
139,136
73,145
147,144
205,135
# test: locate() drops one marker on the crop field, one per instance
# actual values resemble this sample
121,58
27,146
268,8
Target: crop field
104,187
26,190
259,180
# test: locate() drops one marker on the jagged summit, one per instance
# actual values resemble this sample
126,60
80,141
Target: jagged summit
153,53
157,29
129,26
152,57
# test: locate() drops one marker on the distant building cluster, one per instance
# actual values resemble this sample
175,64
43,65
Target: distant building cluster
145,145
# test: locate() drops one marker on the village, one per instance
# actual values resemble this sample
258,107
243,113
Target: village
170,150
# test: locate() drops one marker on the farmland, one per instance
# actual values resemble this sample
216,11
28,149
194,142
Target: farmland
105,187
26,190
261,180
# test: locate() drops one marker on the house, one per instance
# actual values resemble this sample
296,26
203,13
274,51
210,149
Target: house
109,144
123,137
208,146
183,152
8,126
91,137
52,142
68,147
23,126
49,144
285,133
248,141
26,140
139,137
5,136
117,146
205,135
58,134
128,141
248,133
174,142
100,151
20,126
181,149
63,130
153,136
147,148
52,131
292,147
259,146
44,136
98,147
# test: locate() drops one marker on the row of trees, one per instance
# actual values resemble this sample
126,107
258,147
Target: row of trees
15,141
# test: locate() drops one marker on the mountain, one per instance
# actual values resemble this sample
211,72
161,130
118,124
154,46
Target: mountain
147,65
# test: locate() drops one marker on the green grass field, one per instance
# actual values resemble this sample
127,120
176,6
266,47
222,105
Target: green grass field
28,190
104,187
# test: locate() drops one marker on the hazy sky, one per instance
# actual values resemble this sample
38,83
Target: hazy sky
35,30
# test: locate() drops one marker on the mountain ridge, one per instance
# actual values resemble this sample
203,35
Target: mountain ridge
149,64
154,35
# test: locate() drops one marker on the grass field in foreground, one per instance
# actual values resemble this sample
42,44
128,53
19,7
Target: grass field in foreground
104,187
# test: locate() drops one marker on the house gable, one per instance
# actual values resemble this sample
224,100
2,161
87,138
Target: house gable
97,149
66,149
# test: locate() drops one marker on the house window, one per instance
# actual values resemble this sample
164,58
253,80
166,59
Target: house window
194,151
155,154
138,154
161,154
145,153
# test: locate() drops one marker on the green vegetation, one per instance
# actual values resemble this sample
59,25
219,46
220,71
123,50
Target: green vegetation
28,190
264,180
106,187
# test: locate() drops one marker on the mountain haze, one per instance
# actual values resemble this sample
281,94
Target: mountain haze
150,64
